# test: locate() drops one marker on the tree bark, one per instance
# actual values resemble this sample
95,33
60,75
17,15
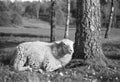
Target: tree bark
53,21
108,29
66,35
87,36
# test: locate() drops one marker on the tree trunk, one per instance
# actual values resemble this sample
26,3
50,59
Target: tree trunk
53,21
66,35
38,8
87,36
108,29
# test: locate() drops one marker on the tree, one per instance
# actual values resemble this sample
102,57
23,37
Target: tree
110,20
66,35
17,7
53,20
3,7
87,36
32,9
5,18
37,9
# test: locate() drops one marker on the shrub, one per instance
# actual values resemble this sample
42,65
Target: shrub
3,7
17,7
9,14
5,18
31,10
16,18
4,15
60,17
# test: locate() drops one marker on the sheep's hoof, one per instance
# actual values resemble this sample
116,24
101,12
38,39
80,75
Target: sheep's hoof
30,69
40,70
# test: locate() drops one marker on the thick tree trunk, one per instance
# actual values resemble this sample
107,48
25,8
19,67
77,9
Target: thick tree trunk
53,21
66,35
87,36
108,29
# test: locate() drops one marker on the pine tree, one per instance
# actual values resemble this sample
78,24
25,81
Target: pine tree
87,36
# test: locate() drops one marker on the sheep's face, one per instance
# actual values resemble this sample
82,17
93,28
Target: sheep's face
63,47
67,46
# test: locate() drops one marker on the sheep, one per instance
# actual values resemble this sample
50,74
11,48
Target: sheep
41,56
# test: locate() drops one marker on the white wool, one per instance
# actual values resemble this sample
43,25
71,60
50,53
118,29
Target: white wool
39,54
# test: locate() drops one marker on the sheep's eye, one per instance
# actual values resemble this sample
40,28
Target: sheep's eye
64,45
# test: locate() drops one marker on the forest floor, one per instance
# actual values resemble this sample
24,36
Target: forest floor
74,72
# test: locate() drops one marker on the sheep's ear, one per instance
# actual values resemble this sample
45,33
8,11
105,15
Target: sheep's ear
59,44
62,43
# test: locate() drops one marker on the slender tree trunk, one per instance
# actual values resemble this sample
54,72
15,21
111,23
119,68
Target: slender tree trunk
66,35
53,21
87,36
38,8
108,29
115,22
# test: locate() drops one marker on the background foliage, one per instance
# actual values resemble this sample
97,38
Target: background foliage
12,13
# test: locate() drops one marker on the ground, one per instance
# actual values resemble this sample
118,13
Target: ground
74,72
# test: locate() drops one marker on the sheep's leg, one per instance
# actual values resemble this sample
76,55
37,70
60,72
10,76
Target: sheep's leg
19,65
23,68
40,70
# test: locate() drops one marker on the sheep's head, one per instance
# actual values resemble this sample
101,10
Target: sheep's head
67,46
64,47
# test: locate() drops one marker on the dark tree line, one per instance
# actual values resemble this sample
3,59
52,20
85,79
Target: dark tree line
10,13
40,10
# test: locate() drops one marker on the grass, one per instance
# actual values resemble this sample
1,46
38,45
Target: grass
75,72
35,32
